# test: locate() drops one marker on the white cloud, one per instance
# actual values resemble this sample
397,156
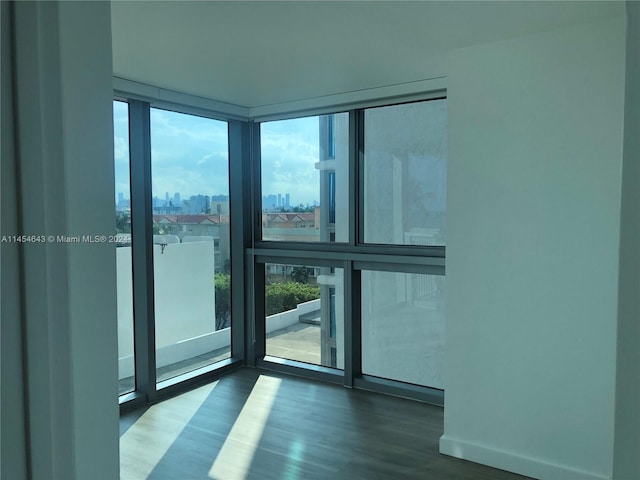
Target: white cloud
290,149
189,155
120,149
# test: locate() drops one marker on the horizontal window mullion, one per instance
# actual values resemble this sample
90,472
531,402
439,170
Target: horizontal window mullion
297,260
276,255
370,249
400,267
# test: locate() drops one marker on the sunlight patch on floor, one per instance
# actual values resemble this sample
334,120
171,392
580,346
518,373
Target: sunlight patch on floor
237,452
144,444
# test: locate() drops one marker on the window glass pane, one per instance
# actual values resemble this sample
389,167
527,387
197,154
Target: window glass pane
190,188
403,327
304,314
305,179
405,167
126,370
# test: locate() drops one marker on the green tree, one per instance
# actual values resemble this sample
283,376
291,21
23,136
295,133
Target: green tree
123,222
280,297
222,285
300,275
303,208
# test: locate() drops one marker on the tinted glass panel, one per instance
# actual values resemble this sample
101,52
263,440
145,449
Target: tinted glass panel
304,314
190,187
405,167
305,179
126,369
403,327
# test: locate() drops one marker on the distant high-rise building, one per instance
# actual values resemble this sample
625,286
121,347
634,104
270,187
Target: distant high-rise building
166,199
287,200
269,202
120,198
220,204
176,199
196,205
279,200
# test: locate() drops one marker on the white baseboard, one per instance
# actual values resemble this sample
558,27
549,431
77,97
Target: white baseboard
511,462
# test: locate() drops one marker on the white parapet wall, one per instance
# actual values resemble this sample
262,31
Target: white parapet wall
184,305
286,319
124,280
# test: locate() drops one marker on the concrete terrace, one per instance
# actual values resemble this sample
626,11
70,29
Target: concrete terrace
300,342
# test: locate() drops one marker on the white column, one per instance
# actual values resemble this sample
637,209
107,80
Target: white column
13,457
627,429
65,161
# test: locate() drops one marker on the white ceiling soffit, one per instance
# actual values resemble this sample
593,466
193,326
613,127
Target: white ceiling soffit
257,54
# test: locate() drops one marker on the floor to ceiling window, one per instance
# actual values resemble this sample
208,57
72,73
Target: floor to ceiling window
174,253
191,241
338,249
404,203
350,252
126,368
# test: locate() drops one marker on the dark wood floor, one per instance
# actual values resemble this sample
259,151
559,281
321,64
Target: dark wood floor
257,425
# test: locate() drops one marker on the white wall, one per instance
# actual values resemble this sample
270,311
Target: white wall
627,431
65,158
535,142
13,453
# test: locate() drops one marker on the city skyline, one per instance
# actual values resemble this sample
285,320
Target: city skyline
176,199
189,155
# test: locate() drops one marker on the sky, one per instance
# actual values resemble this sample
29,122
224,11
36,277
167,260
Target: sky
189,155
289,151
121,148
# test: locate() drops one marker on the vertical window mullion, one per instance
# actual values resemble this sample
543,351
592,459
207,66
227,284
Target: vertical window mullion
260,334
142,248
358,165
352,327
255,335
255,175
240,201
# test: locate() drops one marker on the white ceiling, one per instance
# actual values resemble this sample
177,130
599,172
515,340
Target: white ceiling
262,53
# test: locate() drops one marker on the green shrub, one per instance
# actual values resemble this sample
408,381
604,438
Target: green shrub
223,300
286,296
